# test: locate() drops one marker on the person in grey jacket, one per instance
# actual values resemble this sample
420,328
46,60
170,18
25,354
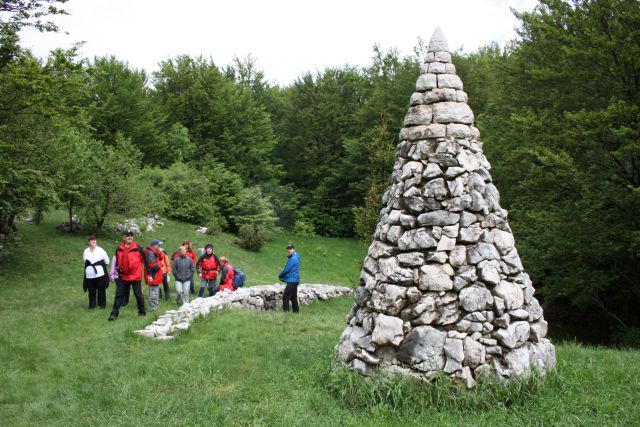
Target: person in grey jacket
183,271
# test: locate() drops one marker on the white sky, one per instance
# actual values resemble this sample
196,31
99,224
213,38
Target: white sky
287,37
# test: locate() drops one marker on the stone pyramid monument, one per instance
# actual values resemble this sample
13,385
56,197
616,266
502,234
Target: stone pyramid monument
442,288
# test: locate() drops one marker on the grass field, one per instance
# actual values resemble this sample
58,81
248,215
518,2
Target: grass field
65,365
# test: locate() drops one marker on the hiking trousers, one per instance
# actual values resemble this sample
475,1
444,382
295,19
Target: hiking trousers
291,294
122,291
96,290
210,284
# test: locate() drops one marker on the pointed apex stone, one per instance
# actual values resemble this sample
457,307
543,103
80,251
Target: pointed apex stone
438,42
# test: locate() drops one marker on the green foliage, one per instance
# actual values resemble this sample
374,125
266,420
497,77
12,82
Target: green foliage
121,105
254,208
325,129
74,176
380,157
303,228
112,190
180,148
17,14
562,135
252,236
187,193
223,119
36,107
255,218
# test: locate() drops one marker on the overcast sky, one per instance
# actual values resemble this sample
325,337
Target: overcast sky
287,37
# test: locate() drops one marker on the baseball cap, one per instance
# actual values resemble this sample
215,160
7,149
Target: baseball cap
156,242
291,246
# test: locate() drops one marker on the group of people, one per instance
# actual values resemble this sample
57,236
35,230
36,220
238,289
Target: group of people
131,262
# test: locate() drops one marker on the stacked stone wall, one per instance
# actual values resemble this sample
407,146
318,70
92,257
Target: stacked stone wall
267,297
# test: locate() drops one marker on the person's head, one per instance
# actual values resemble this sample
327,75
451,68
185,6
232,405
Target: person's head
183,250
208,248
291,248
127,236
92,241
188,245
155,244
224,260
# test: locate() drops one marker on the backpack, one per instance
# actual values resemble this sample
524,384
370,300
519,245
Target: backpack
238,278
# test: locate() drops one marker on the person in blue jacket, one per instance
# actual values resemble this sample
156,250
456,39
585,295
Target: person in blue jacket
290,274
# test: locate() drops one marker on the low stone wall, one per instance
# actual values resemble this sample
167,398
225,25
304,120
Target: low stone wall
267,297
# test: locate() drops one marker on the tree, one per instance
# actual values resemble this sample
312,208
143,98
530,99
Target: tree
562,134
37,102
223,119
115,168
122,105
73,175
254,217
29,13
380,157
180,148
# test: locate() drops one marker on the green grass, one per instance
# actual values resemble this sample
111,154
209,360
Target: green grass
65,365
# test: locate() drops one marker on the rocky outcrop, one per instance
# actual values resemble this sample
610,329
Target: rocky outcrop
268,297
442,288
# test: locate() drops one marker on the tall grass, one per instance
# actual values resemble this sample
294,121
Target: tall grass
65,365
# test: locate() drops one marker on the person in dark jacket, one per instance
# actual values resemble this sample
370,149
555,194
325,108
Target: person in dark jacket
290,274
182,271
130,262
208,267
191,254
96,279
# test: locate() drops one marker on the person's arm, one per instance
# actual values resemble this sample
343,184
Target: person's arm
191,267
287,268
152,261
217,263
105,257
145,261
199,264
173,269
223,275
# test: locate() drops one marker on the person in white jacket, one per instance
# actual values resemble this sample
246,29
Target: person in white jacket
96,278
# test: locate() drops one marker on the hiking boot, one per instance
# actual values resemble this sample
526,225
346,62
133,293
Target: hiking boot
112,318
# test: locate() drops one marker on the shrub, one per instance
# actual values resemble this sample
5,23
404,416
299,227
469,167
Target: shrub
304,228
254,208
216,225
252,237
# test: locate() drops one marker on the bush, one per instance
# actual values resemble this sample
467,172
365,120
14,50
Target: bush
216,225
304,228
254,208
628,337
252,237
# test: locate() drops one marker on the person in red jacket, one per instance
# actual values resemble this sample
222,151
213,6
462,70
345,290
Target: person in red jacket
226,278
153,272
130,262
208,267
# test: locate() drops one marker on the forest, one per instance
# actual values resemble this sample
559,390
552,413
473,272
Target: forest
558,109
